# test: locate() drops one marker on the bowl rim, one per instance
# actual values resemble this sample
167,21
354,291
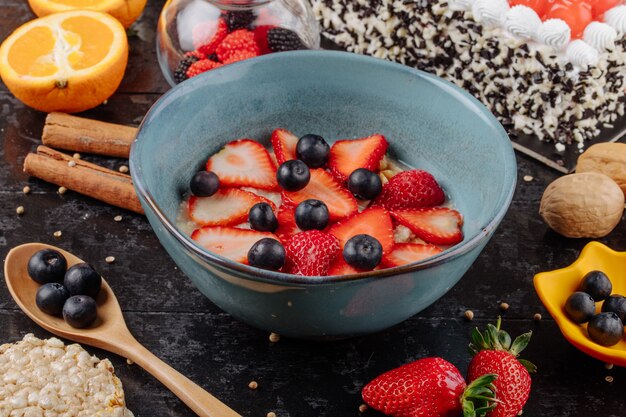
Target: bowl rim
263,275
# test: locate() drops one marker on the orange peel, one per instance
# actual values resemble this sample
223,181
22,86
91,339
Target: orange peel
126,11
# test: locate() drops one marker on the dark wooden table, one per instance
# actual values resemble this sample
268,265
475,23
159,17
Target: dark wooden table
223,355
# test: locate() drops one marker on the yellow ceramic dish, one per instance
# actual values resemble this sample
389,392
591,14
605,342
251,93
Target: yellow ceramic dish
555,286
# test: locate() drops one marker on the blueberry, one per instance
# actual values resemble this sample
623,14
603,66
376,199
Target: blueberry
293,175
313,150
597,285
580,307
46,266
82,279
364,184
312,214
204,184
605,329
616,304
363,252
80,311
267,253
262,218
51,297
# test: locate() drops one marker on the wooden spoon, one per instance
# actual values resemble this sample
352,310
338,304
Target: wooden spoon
109,332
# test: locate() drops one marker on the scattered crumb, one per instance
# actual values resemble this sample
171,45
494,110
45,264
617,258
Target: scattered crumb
109,259
363,408
608,378
608,366
105,102
520,412
559,147
76,155
271,414
26,190
57,234
62,190
537,317
274,337
20,210
71,164
253,385
128,361
528,178
123,169
504,306
289,304
469,315
117,218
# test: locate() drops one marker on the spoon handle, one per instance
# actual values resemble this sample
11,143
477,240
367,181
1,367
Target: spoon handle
196,398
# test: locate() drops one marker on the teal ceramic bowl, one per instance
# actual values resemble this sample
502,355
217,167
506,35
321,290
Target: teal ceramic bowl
430,124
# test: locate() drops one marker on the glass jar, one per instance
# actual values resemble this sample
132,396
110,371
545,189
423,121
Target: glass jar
219,32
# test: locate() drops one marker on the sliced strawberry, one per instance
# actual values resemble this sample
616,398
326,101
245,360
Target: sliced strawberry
243,163
227,207
322,186
310,253
230,242
411,189
437,225
406,253
340,267
284,143
374,221
348,155
287,226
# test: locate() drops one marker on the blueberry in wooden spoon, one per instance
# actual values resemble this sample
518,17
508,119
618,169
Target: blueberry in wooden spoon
82,279
47,265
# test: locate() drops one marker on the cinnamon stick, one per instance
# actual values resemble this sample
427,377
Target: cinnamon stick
92,180
64,131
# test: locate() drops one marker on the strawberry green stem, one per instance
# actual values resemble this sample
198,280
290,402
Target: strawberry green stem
479,397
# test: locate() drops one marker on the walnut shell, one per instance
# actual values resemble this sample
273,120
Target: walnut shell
582,205
606,158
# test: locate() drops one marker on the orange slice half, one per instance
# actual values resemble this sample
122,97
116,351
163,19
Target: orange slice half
126,11
70,61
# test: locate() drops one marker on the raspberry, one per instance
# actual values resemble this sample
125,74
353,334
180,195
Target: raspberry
260,36
239,19
220,33
237,46
202,66
180,74
281,39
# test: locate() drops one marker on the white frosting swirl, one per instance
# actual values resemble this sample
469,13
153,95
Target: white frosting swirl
600,35
461,4
490,12
616,18
581,54
522,21
554,33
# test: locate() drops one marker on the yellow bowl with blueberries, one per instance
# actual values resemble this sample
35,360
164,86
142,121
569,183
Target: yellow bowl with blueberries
555,287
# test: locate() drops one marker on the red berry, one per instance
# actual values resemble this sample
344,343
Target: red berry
236,46
260,35
201,66
207,39
411,189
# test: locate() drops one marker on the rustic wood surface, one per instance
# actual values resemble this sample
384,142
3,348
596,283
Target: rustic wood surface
296,378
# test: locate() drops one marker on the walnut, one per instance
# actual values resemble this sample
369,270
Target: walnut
582,205
606,158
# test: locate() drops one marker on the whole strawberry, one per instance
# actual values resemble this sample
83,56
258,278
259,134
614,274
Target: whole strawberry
430,387
494,353
411,189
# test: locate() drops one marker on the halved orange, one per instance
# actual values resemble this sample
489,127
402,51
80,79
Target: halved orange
70,61
126,11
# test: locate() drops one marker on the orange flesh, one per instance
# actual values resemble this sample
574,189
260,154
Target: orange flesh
95,37
81,4
39,42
